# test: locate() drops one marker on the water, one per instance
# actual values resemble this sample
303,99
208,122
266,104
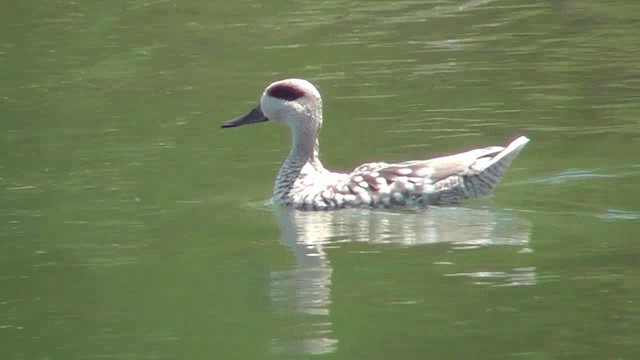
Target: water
133,227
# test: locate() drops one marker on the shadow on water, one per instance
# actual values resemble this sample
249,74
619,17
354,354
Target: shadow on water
304,292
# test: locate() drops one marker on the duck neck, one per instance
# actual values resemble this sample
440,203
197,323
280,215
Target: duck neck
305,150
305,147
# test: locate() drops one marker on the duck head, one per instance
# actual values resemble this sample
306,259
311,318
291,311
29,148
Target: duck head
295,102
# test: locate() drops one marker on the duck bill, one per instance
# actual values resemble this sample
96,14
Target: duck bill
253,116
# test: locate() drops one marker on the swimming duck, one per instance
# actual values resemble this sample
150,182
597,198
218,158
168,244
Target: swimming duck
303,183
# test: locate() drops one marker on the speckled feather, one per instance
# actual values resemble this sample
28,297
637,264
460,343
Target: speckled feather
303,182
381,185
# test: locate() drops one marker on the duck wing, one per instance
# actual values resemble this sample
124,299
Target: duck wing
435,181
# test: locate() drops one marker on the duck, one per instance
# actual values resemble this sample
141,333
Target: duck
303,183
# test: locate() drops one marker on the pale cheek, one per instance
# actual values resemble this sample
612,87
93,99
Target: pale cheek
276,115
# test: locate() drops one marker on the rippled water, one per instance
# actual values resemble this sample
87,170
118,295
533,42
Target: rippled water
133,227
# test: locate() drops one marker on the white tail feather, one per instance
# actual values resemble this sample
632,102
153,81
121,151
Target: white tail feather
488,171
505,156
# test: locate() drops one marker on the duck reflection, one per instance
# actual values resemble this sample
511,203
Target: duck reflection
302,296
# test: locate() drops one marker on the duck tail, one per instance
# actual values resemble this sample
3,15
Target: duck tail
487,171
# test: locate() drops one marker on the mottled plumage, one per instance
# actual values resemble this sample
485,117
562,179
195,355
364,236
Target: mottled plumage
303,183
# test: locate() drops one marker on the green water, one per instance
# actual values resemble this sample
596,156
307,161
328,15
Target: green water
132,226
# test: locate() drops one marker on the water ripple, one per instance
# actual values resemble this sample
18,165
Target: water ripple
571,175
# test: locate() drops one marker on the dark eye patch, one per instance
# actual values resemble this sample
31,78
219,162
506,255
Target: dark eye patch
285,92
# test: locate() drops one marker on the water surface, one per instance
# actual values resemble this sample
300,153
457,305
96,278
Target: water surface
133,227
